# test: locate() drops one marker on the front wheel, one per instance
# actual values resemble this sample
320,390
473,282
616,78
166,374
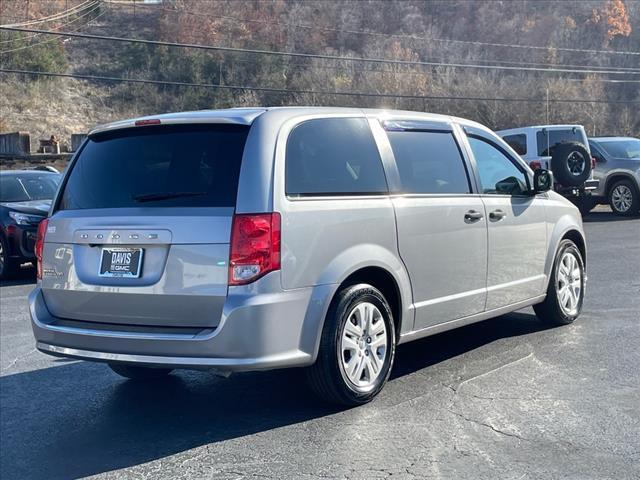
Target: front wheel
624,198
357,347
565,293
8,266
139,373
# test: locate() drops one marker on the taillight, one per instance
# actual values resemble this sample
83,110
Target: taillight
42,230
593,163
255,247
535,164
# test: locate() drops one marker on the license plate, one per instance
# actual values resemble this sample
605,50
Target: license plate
121,262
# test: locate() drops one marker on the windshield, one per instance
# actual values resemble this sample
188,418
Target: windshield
22,188
548,139
627,148
158,166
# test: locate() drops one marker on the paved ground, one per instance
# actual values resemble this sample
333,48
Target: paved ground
506,398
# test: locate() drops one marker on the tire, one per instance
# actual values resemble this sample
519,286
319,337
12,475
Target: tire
571,164
584,203
8,266
624,198
557,309
139,373
343,347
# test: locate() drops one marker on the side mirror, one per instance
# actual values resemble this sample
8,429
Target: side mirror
542,180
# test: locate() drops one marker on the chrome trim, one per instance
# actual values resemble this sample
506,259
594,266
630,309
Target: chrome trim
294,358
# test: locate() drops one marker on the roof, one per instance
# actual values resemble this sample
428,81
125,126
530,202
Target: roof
27,172
246,116
536,127
609,139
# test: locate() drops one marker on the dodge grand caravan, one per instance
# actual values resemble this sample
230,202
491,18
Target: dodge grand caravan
255,239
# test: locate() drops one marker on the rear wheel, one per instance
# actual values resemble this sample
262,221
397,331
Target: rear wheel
585,203
624,198
139,373
565,293
357,347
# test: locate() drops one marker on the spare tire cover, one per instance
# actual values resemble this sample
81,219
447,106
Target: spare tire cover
571,164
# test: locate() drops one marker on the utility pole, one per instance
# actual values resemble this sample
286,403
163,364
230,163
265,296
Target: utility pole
547,122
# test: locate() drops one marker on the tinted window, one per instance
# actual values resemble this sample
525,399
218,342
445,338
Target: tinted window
498,174
548,139
159,166
429,162
21,188
333,156
626,148
517,142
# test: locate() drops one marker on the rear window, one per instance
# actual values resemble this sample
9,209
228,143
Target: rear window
158,166
548,139
333,156
429,162
517,142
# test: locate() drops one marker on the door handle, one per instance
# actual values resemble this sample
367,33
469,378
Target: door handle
472,216
497,215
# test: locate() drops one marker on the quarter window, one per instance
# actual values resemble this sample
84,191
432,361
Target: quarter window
517,142
498,174
429,162
335,156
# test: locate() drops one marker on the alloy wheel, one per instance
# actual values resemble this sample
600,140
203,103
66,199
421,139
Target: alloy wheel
363,346
622,198
569,284
576,163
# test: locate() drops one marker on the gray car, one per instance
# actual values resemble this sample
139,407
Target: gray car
263,238
618,172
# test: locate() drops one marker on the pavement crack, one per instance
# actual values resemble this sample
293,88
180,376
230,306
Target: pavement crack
17,359
489,426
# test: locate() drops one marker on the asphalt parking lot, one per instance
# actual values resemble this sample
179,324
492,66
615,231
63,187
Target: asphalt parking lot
507,398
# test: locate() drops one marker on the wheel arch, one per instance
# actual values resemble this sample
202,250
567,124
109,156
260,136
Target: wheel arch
616,177
373,265
566,228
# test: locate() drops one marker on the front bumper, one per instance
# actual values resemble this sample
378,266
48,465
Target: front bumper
258,331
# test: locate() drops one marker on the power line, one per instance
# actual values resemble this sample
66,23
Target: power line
90,9
316,56
305,91
55,16
77,29
391,35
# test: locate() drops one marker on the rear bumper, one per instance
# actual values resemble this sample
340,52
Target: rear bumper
591,184
261,329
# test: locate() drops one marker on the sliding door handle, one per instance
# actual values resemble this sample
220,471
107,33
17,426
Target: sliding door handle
472,216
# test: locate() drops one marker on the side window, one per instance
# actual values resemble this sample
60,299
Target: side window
517,142
333,156
498,174
429,162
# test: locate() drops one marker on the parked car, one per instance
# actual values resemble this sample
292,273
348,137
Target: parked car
618,171
254,239
25,197
564,149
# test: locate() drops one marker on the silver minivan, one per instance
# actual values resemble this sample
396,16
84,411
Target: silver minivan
263,238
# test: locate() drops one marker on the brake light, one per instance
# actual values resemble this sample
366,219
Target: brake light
255,247
593,163
150,121
42,230
535,164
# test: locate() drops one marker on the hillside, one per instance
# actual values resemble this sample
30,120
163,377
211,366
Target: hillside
501,51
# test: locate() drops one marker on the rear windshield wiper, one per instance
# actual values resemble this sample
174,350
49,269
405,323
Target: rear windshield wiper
151,197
